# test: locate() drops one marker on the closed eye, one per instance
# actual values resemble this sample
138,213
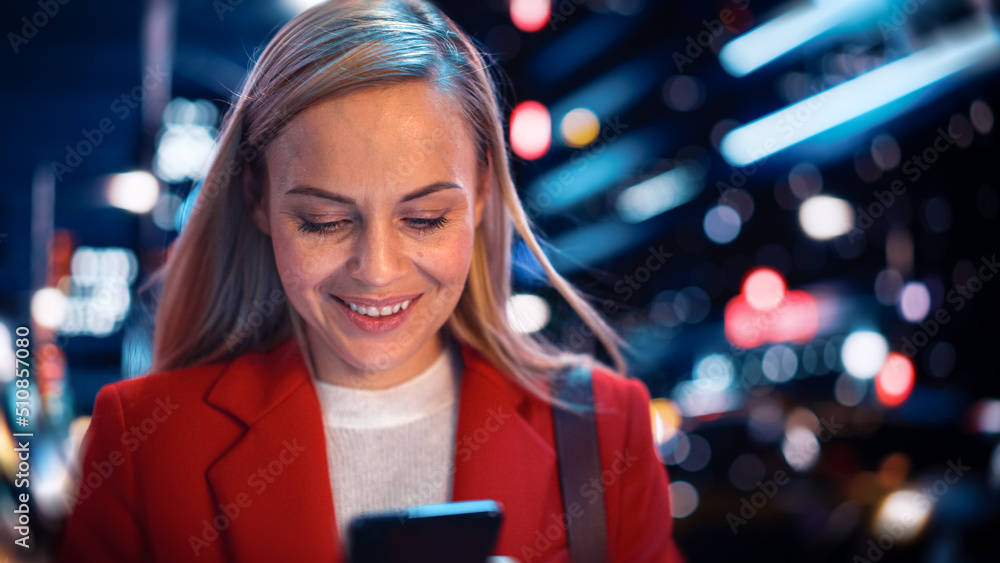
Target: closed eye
419,224
428,224
310,227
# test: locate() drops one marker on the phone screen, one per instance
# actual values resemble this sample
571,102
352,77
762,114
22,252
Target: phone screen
463,531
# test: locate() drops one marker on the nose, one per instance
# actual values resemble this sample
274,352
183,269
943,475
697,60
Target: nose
378,259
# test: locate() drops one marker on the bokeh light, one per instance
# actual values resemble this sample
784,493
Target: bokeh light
714,372
699,455
530,130
527,313
683,499
764,288
894,381
48,307
780,363
666,419
579,127
133,191
849,390
941,359
800,448
888,284
914,302
864,353
903,515
683,93
722,224
824,217
530,15
746,471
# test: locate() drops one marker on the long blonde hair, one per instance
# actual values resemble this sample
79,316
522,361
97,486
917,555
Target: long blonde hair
221,276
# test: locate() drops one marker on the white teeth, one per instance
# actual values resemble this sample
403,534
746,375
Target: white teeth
375,313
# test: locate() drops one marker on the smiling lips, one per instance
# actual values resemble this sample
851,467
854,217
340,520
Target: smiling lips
379,307
383,316
376,312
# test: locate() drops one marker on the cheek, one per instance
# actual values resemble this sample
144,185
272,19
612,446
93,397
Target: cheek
299,264
449,259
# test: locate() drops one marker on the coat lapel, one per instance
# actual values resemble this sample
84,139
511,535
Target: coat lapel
504,452
277,473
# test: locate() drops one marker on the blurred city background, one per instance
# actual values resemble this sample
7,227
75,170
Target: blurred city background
789,210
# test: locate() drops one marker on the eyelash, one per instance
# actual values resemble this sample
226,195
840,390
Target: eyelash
428,225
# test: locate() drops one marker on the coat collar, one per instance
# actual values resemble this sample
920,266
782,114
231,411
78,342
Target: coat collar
278,468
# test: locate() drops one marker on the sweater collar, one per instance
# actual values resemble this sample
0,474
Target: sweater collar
256,382
433,389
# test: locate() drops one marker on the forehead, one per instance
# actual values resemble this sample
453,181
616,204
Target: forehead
385,137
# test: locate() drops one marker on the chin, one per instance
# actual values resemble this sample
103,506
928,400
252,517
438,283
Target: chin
375,357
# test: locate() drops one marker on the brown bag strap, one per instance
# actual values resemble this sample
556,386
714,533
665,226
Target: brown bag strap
579,463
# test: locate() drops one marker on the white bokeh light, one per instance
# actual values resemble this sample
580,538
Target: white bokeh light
864,353
914,302
133,191
905,513
800,448
527,313
48,307
824,217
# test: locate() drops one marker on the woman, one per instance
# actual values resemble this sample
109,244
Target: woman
331,337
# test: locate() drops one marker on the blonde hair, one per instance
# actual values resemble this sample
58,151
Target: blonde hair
221,274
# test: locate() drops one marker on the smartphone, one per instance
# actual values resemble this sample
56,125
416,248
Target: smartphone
463,532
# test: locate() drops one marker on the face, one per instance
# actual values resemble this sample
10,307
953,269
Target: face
373,199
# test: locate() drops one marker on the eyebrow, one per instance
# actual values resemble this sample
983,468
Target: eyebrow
424,191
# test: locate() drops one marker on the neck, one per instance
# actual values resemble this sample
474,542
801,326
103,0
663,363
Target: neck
328,367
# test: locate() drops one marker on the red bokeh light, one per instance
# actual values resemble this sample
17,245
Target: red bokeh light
894,381
530,130
530,15
764,288
767,312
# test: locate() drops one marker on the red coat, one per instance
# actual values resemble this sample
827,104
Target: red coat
227,462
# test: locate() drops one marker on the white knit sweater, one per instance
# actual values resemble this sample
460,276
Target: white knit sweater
392,448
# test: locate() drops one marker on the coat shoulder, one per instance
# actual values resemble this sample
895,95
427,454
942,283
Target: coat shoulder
616,391
188,382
